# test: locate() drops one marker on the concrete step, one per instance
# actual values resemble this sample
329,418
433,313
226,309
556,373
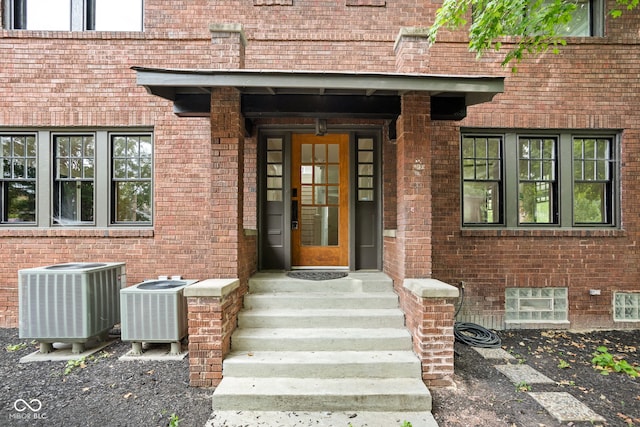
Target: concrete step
319,394
319,419
320,339
321,318
320,300
355,282
322,364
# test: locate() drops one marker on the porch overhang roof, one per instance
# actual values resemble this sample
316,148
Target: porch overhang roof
319,94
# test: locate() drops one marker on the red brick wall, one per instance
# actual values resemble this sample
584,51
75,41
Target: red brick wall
60,80
587,86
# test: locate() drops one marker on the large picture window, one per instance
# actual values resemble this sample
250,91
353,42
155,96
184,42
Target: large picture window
517,179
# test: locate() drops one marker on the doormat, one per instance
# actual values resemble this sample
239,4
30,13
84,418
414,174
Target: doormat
317,275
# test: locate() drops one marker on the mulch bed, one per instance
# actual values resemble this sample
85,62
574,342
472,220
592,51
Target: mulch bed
106,391
103,391
485,397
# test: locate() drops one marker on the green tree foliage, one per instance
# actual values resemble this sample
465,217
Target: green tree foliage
536,25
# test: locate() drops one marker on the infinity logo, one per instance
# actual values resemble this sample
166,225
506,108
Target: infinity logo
21,405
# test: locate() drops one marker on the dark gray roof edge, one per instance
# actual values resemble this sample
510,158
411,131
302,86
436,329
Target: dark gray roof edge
264,71
327,79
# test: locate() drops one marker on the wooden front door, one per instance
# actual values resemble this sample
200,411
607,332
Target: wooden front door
320,200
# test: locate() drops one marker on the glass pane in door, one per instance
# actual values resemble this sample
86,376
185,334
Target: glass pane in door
319,214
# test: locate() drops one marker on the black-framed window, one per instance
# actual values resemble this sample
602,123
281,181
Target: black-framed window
524,179
587,19
482,179
18,171
593,180
75,15
73,183
76,178
537,185
131,178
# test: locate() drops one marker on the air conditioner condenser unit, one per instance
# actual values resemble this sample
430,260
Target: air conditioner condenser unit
154,311
69,303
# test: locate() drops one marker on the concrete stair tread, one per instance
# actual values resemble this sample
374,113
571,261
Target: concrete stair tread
313,386
320,333
318,339
355,282
327,394
319,418
321,356
322,312
320,300
319,318
322,364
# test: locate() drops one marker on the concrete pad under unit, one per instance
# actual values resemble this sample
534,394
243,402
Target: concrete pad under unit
318,419
156,352
566,408
62,352
524,374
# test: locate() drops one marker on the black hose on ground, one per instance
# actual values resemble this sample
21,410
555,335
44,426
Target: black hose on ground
474,335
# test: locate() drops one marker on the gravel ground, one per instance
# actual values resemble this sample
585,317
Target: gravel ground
106,391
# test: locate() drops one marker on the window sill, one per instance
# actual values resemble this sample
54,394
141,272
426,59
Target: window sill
537,324
77,232
600,232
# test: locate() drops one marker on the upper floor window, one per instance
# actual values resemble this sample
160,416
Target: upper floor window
97,178
75,15
529,180
583,20
587,19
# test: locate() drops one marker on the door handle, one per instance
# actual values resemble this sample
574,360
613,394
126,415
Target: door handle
294,214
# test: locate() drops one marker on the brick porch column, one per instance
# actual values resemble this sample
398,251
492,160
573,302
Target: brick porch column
430,318
213,311
413,150
426,302
213,304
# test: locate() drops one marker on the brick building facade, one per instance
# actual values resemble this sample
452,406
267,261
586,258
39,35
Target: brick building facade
439,119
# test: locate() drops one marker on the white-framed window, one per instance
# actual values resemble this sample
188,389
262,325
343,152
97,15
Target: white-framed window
91,178
74,15
522,179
